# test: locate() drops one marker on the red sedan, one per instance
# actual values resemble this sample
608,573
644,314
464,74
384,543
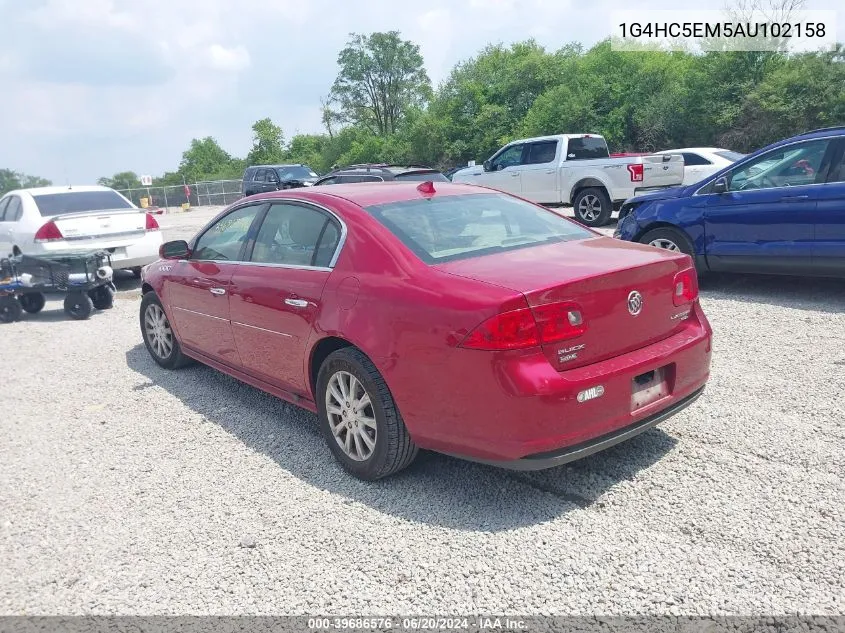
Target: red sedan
437,316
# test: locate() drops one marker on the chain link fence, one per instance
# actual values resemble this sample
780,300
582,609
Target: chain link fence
174,197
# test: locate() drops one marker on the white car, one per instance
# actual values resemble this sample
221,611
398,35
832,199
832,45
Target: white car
38,221
701,162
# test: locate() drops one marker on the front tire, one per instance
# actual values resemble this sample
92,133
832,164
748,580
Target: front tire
32,302
159,338
10,309
359,418
78,305
592,207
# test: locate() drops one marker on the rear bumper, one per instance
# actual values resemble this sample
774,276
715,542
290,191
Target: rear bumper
541,461
141,252
514,407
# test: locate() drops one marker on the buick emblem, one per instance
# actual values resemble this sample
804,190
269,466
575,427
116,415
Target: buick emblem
635,303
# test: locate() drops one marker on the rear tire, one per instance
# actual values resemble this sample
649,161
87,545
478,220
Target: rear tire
159,338
32,302
10,309
592,207
102,297
78,305
353,400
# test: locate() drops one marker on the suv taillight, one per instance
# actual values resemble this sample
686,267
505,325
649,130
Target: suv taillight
527,327
152,224
685,287
48,233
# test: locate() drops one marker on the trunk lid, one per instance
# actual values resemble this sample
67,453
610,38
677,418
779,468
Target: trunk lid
662,170
111,226
598,274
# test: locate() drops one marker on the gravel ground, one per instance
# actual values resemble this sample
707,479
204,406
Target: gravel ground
126,489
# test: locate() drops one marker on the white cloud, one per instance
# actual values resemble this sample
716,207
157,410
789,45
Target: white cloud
228,59
191,67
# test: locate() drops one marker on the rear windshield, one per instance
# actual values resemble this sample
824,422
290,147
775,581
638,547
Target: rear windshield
76,201
421,176
586,147
445,228
296,173
731,156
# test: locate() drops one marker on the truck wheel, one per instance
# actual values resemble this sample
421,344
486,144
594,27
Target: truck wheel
78,305
10,309
32,302
592,207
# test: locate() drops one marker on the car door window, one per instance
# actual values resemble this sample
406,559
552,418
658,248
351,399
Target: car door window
225,239
837,167
3,203
511,157
328,181
13,210
260,175
790,166
541,153
296,235
694,160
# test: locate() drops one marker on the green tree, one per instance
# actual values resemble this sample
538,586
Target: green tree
206,160
11,180
267,143
121,181
381,77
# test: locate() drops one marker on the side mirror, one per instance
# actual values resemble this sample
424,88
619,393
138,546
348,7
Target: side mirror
486,165
176,249
721,185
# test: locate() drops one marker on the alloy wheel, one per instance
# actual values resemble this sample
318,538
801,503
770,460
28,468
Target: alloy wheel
158,331
351,417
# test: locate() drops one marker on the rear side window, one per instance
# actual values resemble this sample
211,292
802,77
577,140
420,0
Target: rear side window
540,153
295,235
78,201
586,147
422,176
13,210
3,203
444,228
691,160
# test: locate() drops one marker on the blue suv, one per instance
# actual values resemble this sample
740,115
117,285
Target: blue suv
780,210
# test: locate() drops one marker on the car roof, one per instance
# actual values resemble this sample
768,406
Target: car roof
275,166
44,191
368,194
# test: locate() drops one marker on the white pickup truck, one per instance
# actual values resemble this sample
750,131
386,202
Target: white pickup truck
574,169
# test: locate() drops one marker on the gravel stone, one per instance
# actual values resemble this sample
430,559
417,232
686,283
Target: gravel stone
123,487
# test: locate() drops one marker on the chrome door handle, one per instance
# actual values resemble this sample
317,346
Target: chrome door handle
514,175
550,171
217,291
794,198
297,303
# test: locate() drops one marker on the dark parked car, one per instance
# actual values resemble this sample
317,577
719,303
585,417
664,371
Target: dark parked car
381,173
264,178
780,210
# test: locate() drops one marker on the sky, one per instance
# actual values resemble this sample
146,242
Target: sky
89,88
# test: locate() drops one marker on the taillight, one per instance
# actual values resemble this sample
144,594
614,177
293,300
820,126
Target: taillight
152,224
636,172
685,287
48,233
527,327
